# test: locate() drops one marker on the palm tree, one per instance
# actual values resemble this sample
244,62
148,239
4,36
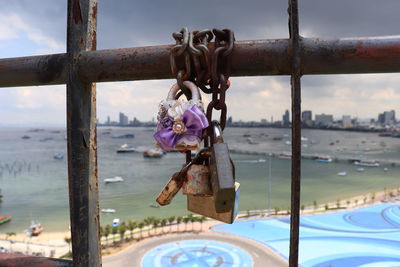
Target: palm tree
192,220
186,221
147,222
68,241
121,231
178,222
163,224
131,226
276,209
107,231
202,219
171,220
141,225
114,231
156,223
315,204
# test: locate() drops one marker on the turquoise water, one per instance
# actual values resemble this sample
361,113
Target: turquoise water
362,237
38,189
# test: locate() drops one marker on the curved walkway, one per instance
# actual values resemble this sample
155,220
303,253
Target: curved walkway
132,256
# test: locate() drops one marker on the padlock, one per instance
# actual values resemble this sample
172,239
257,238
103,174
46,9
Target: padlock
204,205
197,180
221,172
181,123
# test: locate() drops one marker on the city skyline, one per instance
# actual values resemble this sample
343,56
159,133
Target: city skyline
27,28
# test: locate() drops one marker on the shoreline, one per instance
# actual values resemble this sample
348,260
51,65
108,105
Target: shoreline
53,244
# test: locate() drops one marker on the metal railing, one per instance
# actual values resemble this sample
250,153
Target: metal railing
82,66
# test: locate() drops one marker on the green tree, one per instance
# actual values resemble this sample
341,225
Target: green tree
156,223
326,207
163,223
68,241
315,204
276,209
131,226
186,220
121,231
202,219
338,203
302,208
170,221
141,225
10,234
356,202
107,232
114,231
148,222
178,222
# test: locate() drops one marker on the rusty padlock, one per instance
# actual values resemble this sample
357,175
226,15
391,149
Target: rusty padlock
197,180
221,172
204,205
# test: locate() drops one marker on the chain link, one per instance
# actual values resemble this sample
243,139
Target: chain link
192,60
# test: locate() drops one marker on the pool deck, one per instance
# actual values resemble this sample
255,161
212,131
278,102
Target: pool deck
368,236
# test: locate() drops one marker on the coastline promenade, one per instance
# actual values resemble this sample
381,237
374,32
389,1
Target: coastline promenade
54,244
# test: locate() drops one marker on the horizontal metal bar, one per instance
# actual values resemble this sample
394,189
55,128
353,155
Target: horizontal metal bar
12,259
249,58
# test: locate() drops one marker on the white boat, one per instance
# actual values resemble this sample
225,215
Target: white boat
360,169
251,141
342,173
125,148
326,159
284,156
153,153
34,229
58,156
108,210
114,179
304,139
367,163
116,222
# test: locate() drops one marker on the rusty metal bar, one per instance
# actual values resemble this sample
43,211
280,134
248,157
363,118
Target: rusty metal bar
249,58
82,143
18,260
296,132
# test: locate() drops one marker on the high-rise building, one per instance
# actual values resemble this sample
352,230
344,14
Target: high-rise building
346,121
286,119
123,119
323,120
387,117
306,115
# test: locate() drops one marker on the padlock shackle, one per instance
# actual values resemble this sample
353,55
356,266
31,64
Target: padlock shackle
217,133
196,97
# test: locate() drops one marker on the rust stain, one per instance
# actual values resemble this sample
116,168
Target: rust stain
76,12
94,41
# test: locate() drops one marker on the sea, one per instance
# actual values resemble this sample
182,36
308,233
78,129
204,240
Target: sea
34,185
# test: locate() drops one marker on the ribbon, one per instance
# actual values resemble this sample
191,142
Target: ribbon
195,121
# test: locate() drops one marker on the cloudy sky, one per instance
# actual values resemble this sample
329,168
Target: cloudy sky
38,27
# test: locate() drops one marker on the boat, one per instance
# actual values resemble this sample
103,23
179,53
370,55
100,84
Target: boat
247,134
58,155
366,163
304,139
277,138
385,169
251,141
26,137
154,205
116,222
360,169
5,218
125,148
325,159
342,173
153,153
123,136
108,210
45,139
288,143
114,179
34,229
385,134
284,156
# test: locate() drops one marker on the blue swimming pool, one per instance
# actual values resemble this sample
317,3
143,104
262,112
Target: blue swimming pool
368,237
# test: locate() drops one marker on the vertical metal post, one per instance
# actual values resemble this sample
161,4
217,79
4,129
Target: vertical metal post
296,132
82,143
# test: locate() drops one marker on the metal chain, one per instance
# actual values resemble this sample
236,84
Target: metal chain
192,60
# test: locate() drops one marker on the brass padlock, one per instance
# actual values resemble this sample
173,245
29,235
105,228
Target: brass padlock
204,205
221,172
